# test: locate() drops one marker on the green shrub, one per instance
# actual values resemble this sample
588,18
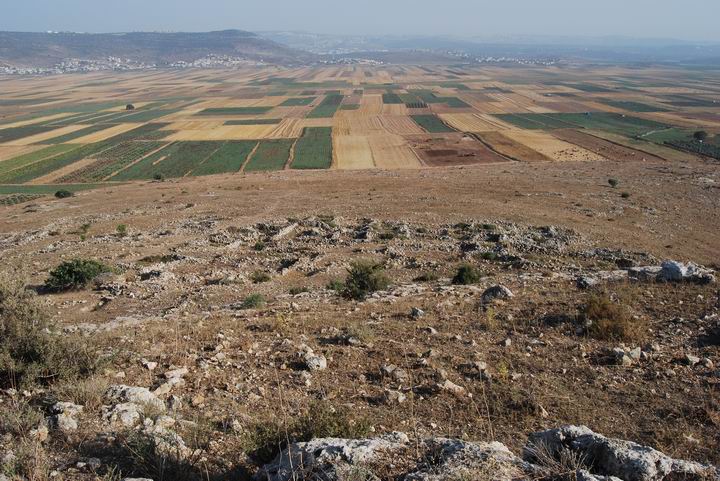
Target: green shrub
121,230
335,285
29,354
63,194
466,275
253,301
74,274
259,245
159,177
613,182
625,195
364,278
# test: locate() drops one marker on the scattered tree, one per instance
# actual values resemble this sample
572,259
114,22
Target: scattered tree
700,135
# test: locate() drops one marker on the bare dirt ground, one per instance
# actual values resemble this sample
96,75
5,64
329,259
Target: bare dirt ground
196,249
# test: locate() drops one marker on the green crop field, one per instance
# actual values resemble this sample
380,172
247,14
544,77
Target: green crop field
22,102
691,101
587,87
669,135
327,107
392,98
145,116
453,85
695,147
633,106
45,189
611,122
49,165
427,96
112,160
15,133
14,199
432,124
314,149
606,121
228,158
253,122
236,111
27,159
536,121
298,102
68,138
454,102
175,160
144,132
270,155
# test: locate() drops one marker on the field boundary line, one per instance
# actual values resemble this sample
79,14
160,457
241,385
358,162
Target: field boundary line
250,156
205,159
492,149
291,155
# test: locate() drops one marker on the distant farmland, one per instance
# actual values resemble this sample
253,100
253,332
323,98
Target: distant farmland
65,131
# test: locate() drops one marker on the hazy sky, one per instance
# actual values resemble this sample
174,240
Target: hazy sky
687,19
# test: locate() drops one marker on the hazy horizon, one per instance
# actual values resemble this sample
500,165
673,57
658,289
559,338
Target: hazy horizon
695,20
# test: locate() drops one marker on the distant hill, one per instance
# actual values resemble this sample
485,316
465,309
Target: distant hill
28,49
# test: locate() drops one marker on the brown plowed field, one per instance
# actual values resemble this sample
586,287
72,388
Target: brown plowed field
452,149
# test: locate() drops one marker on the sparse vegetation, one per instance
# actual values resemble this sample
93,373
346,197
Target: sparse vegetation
265,439
611,320
253,301
121,230
30,354
613,183
428,276
336,285
259,277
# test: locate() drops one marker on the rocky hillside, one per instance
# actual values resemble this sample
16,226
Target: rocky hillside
213,344
459,324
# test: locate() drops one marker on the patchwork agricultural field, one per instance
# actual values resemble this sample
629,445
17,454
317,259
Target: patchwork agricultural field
97,129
